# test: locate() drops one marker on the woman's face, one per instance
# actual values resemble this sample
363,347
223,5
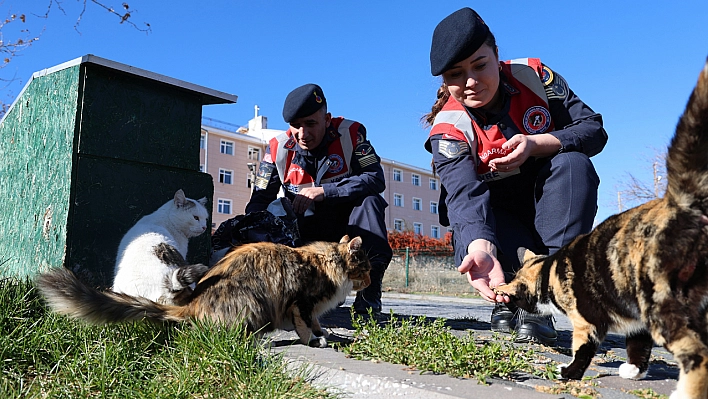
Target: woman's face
474,81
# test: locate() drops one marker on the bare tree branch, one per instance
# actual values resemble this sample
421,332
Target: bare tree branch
123,15
11,48
634,191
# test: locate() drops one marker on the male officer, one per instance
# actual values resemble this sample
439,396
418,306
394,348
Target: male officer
333,177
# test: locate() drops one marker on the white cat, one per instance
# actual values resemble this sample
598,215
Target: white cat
151,256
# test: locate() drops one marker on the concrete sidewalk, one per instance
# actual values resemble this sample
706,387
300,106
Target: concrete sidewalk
366,379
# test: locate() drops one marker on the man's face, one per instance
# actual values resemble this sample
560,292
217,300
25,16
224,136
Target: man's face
309,131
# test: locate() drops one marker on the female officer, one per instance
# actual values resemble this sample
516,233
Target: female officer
512,145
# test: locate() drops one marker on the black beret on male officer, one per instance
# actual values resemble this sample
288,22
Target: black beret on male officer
333,177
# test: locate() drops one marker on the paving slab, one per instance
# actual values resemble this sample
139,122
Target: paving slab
352,378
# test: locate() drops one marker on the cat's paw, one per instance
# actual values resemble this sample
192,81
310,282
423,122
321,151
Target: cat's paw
569,372
325,333
630,371
318,342
194,273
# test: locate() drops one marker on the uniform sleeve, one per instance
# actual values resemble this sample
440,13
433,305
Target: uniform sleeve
367,176
577,126
266,185
467,201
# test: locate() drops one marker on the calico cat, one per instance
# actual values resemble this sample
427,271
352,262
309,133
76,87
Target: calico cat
643,272
151,256
267,286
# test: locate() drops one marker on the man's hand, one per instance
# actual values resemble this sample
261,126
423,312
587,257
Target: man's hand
305,197
484,272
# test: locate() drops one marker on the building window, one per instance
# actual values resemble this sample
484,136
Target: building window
201,167
249,183
433,184
224,206
417,204
397,175
435,231
202,141
254,153
225,176
398,224
418,228
397,199
227,147
433,207
415,179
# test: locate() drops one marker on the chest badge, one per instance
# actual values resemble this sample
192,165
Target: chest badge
537,119
336,163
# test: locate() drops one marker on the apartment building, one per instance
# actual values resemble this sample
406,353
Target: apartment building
231,154
231,158
412,194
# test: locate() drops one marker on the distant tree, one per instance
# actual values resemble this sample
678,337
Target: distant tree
634,191
23,38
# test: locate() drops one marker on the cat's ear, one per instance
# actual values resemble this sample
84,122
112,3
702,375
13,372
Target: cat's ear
202,201
180,199
354,245
344,240
524,254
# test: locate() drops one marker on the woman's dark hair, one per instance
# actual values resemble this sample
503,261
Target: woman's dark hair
444,94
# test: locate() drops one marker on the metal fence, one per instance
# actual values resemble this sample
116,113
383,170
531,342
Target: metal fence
425,272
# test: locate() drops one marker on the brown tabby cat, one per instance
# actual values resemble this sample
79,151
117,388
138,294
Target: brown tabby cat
267,286
643,272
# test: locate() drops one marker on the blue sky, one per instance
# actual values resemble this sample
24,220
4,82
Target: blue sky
635,62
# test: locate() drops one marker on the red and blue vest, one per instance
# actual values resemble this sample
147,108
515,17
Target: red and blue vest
337,166
528,110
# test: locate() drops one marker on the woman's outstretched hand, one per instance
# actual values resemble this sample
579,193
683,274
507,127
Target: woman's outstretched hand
484,272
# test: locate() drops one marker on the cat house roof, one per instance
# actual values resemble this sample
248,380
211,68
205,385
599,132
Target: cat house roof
206,95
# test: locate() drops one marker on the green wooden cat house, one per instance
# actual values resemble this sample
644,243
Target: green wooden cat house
87,148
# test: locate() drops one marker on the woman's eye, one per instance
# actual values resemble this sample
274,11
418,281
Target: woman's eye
480,66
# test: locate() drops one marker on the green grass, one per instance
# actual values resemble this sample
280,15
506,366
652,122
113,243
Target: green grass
431,346
44,355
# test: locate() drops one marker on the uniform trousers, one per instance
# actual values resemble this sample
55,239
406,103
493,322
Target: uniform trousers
550,203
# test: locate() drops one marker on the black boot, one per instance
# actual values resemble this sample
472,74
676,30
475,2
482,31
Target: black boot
534,327
370,297
502,318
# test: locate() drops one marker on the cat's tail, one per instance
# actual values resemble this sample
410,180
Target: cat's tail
687,159
67,295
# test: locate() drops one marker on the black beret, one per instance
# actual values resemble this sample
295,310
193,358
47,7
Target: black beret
455,38
303,101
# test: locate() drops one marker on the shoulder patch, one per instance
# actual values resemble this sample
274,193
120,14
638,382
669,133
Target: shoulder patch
359,138
546,76
557,88
365,154
452,149
265,170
